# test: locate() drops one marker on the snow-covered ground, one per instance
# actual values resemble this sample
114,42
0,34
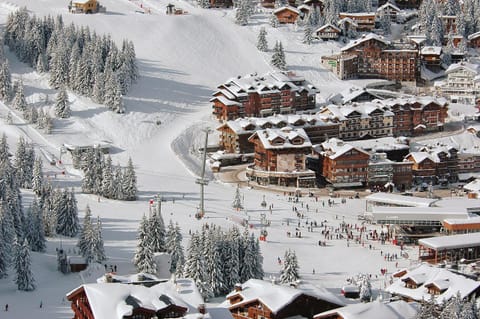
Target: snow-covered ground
181,61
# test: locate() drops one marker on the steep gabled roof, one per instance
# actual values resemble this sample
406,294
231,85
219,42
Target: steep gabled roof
365,38
276,296
440,277
289,8
325,26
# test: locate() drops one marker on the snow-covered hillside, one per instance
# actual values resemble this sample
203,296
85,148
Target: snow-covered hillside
181,60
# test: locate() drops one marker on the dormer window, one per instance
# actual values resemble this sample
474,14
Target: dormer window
297,141
277,142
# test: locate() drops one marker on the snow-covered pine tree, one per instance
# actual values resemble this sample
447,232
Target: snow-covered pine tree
143,258
7,236
278,57
451,8
98,91
119,186
156,232
85,231
289,272
5,82
67,214
62,105
24,277
231,263
34,232
308,35
42,64
237,199
19,102
194,267
24,162
436,31
98,244
129,182
108,185
37,178
365,288
213,261
241,14
258,262
262,44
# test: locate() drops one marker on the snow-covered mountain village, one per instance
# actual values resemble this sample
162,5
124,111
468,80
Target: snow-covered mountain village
239,159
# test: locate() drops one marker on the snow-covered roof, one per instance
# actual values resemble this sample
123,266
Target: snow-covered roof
266,83
276,296
451,284
325,26
284,138
334,147
400,200
474,35
109,300
374,310
365,38
451,242
289,8
80,1
347,20
400,215
388,5
473,186
473,68
382,144
431,50
357,14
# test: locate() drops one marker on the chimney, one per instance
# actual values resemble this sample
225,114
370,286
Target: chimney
202,309
238,287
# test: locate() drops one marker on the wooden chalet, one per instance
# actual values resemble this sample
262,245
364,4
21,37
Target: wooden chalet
280,158
430,57
328,32
91,301
342,165
221,3
287,15
84,6
420,283
256,299
390,10
365,20
424,167
262,96
474,40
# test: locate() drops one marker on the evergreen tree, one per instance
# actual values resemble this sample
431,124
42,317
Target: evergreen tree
213,261
19,102
237,200
308,35
67,214
62,105
262,44
230,257
7,236
5,82
143,258
385,24
24,276
119,186
98,91
37,178
98,244
24,162
289,272
156,232
85,234
365,288
278,57
241,14
195,266
173,244
108,185
130,182
34,232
